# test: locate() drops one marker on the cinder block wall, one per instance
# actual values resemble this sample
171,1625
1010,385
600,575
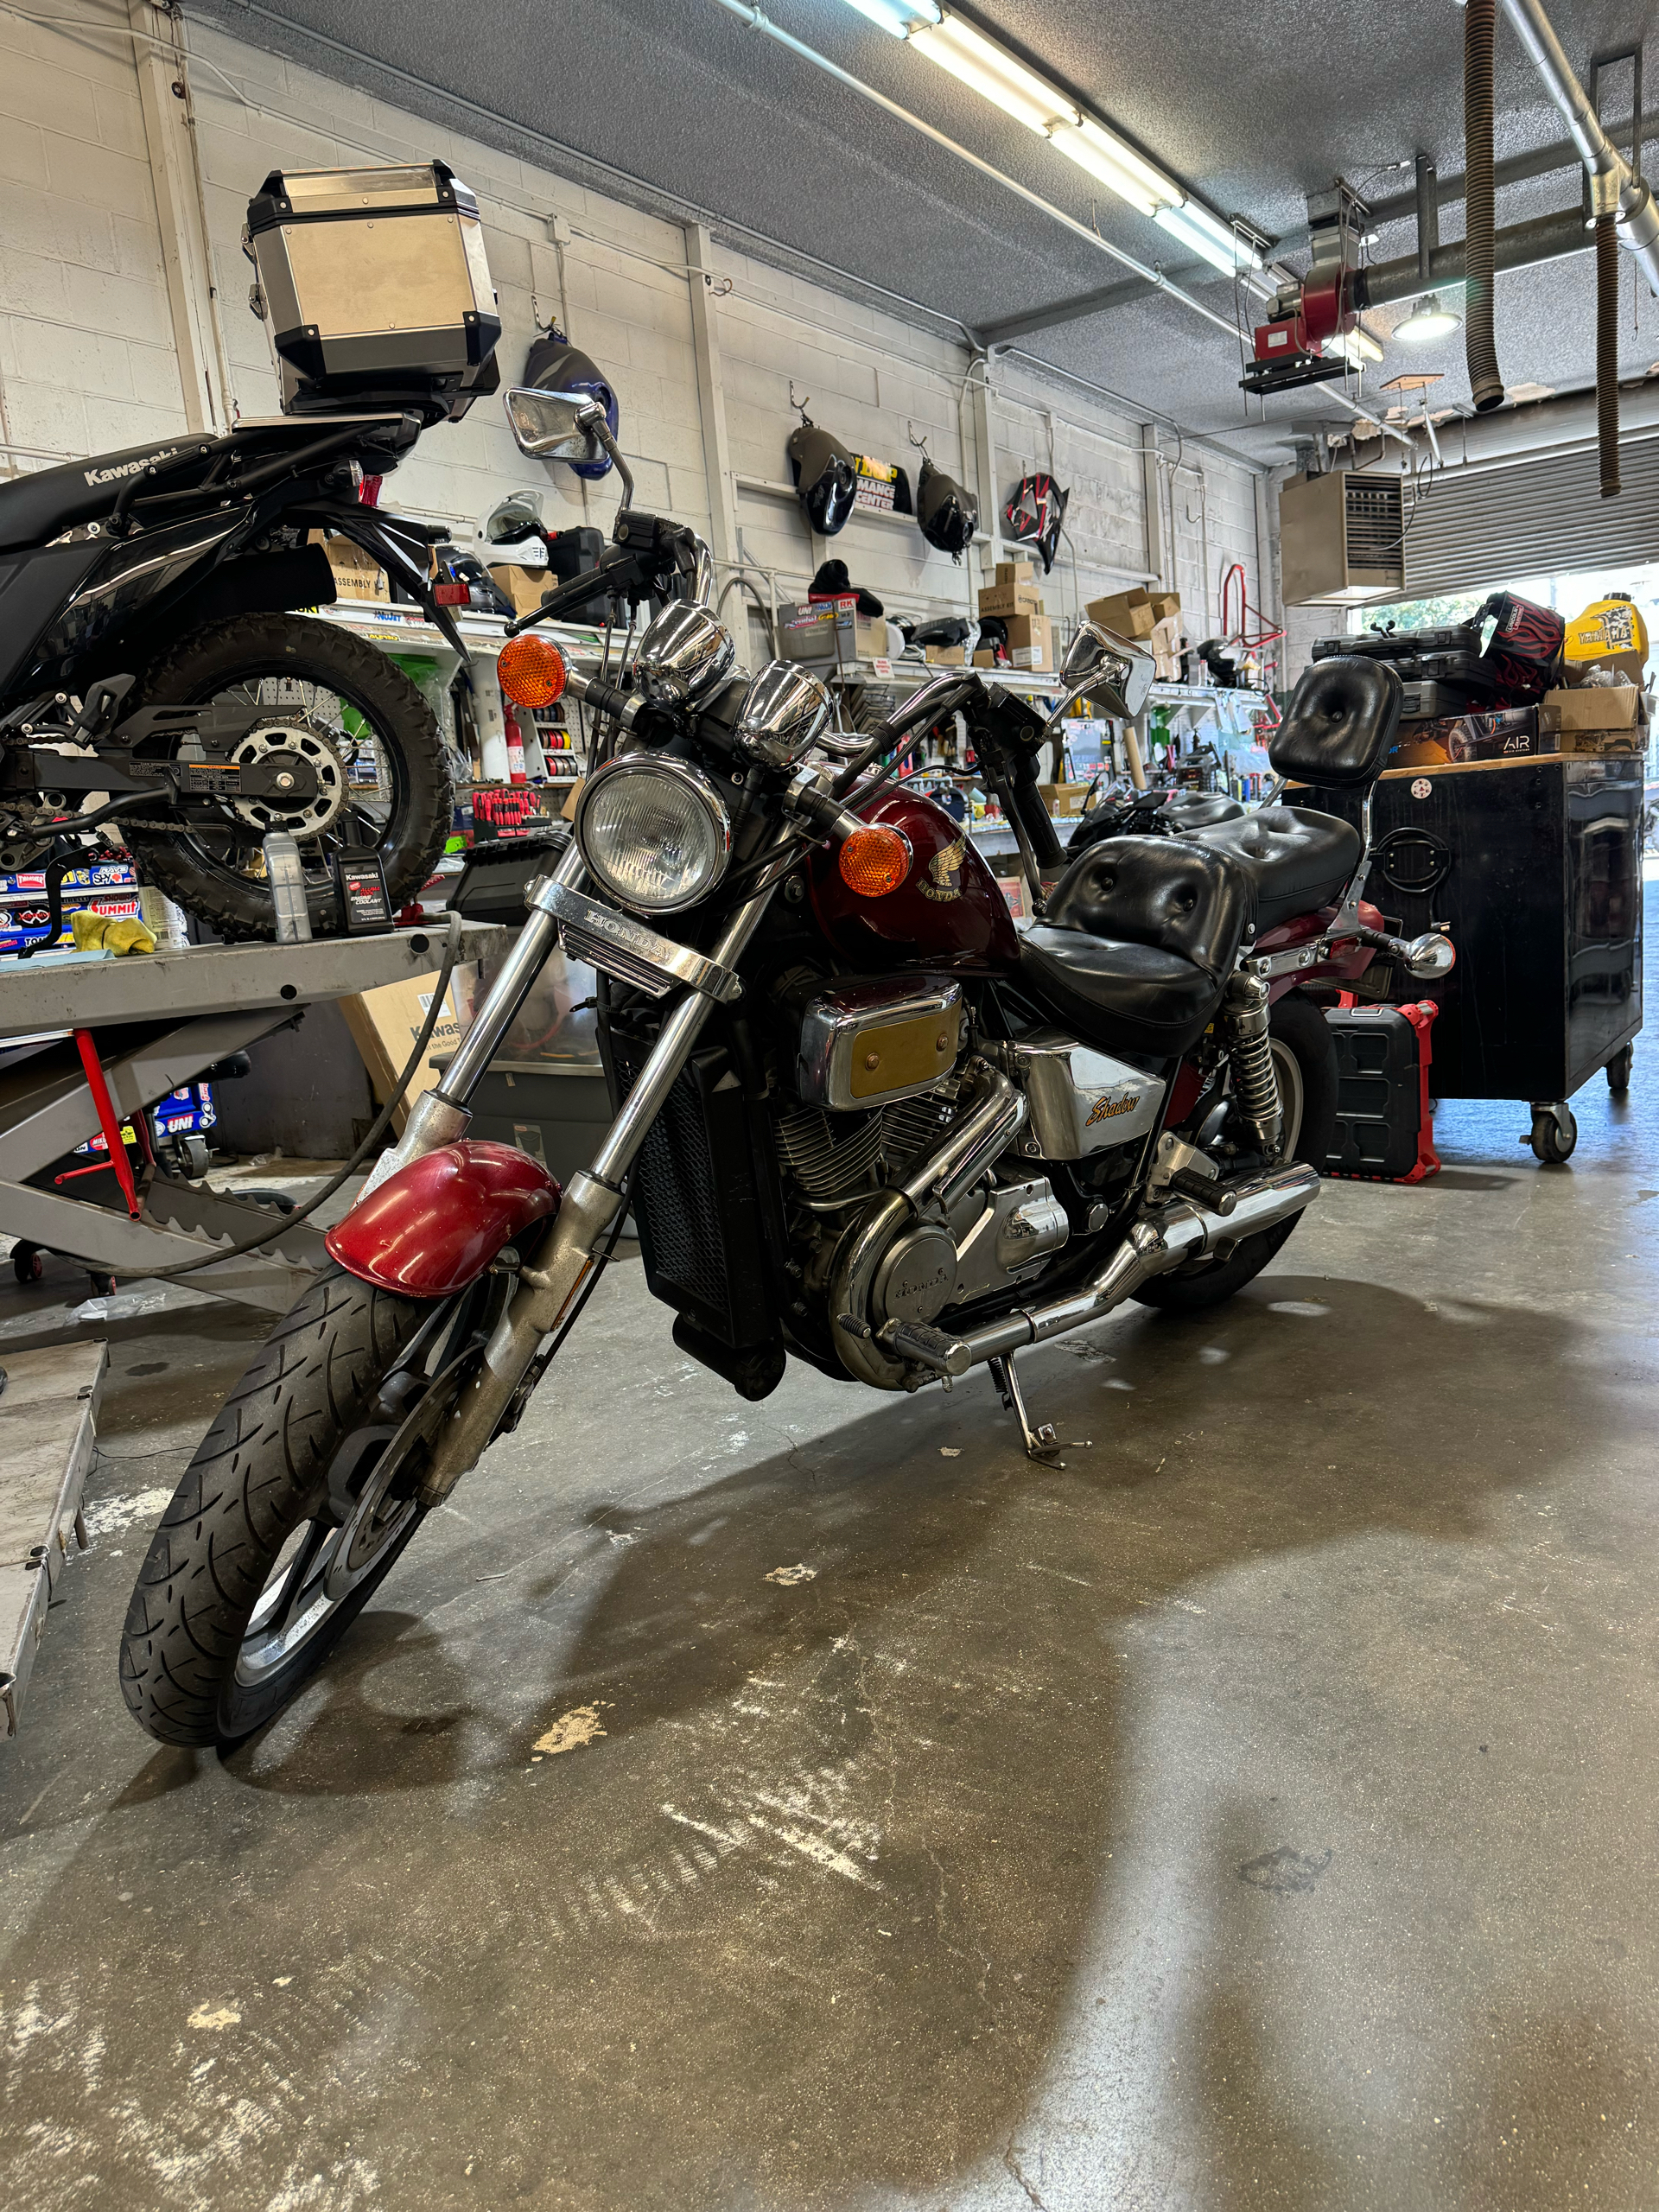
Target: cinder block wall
87,360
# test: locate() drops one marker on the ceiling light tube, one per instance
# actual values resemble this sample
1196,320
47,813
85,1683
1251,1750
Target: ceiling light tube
996,76
897,16
1206,234
1083,144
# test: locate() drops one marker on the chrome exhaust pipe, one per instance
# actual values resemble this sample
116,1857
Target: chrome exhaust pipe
1163,1238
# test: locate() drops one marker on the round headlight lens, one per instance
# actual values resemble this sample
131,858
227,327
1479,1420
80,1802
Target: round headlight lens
654,833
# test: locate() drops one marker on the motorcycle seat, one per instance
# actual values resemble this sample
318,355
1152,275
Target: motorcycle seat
1140,937
1296,860
1200,810
35,509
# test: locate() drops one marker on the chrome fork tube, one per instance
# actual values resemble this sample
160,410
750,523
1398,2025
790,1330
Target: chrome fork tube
439,1116
592,1200
499,1011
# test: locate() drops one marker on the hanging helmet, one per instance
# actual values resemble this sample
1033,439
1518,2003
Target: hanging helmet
555,364
825,477
948,515
1034,515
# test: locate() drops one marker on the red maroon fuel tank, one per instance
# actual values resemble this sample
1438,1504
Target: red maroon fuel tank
948,911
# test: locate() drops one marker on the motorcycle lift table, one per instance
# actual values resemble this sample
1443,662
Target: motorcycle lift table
154,1022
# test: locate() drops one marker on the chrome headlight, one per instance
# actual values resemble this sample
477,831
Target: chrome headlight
654,833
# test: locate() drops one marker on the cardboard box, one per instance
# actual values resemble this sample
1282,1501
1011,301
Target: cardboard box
1031,632
356,576
984,657
1010,599
944,655
1127,614
384,1025
1016,572
1164,645
831,630
1031,660
1507,733
525,588
1134,614
1063,800
1596,706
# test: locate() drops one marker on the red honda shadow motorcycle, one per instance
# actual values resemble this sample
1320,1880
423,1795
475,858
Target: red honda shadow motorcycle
859,1121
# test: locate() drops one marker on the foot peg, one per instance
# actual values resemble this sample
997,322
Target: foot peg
1041,1442
1204,1191
915,1341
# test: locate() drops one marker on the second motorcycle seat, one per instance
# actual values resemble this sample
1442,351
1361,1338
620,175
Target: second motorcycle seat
1141,935
1200,810
1297,859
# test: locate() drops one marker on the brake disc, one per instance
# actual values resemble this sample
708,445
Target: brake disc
298,755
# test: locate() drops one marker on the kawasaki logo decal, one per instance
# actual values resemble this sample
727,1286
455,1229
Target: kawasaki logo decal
129,467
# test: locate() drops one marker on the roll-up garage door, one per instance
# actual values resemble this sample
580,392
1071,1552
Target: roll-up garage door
1495,521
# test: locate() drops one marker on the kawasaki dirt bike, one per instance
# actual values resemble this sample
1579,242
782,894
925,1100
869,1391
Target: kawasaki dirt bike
859,1121
149,654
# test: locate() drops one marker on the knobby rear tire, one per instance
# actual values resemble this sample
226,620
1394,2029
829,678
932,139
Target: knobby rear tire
260,1472
1297,1025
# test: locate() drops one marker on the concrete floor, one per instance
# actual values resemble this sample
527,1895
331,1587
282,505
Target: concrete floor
1255,1814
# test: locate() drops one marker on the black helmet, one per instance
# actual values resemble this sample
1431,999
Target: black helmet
948,515
825,477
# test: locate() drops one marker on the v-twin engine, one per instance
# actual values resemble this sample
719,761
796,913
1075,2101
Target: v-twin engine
961,1226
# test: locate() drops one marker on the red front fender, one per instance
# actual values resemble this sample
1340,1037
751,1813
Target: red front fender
435,1225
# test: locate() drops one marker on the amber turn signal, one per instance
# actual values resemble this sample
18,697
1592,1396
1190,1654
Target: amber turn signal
874,860
531,671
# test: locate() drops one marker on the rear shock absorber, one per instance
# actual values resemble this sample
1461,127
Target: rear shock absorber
1255,1086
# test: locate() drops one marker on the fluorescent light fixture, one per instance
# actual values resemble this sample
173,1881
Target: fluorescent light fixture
897,16
994,75
1116,167
1430,319
1218,242
1356,346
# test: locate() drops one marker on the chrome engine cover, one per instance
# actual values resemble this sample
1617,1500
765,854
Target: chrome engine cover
1082,1100
997,1240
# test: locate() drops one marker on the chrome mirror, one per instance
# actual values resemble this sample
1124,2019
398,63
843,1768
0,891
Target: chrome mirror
784,711
555,425
564,426
685,651
1107,669
1085,653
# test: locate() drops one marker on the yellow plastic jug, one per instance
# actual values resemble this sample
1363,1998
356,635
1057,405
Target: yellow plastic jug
1609,631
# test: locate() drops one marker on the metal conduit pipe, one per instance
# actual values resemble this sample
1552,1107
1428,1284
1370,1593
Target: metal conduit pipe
1621,191
1607,353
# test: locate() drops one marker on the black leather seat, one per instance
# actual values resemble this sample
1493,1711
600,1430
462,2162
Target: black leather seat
1200,810
1341,721
1296,860
1140,937
34,509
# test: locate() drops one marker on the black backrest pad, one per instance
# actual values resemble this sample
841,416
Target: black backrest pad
1340,722
1161,892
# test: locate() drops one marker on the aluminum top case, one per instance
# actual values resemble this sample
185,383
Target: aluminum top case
373,286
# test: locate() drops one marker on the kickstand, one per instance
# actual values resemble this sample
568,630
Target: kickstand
1040,1442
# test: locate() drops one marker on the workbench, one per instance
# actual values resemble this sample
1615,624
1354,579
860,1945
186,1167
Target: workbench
157,1022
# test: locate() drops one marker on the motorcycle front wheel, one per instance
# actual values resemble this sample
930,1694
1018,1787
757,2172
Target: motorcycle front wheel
299,1500
384,777
1304,1062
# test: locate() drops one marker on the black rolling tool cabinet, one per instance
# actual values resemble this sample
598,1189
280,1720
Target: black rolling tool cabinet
1534,868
